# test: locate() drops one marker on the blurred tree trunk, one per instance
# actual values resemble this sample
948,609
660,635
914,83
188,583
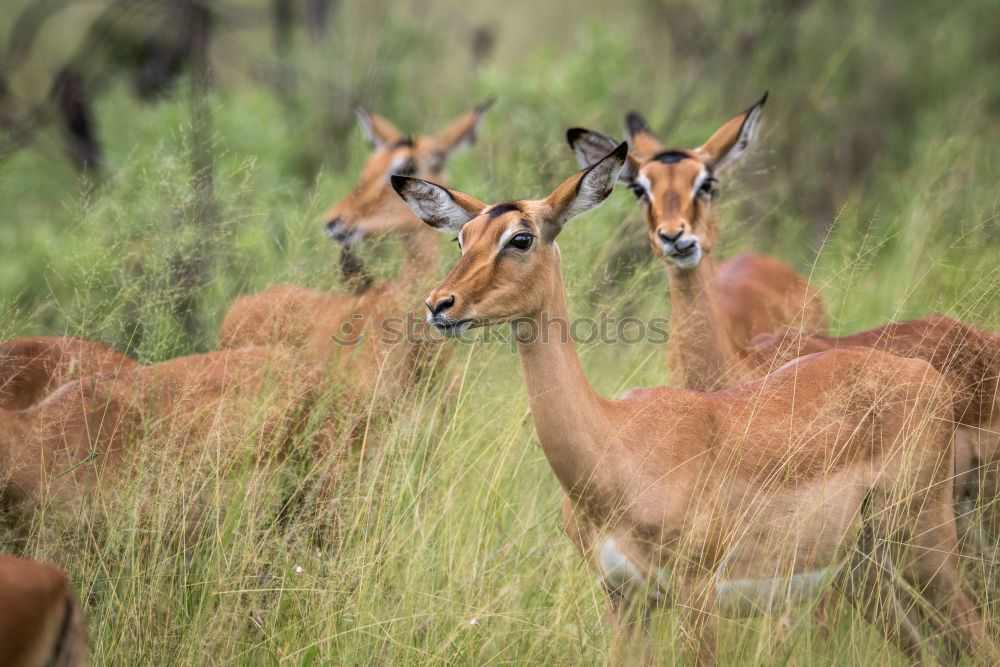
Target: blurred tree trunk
281,13
317,15
189,268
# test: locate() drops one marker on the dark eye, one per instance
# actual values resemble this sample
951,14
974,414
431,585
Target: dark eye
521,241
637,190
707,187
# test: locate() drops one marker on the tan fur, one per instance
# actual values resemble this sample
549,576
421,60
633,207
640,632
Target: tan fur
298,316
768,477
30,368
41,623
969,357
716,309
86,430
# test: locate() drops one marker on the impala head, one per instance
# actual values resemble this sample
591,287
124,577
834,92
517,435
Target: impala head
372,208
675,188
510,262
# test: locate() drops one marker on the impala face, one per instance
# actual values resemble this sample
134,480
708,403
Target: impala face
372,208
675,188
510,263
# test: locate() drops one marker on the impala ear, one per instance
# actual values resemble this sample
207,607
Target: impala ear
460,133
640,137
591,147
443,209
584,190
377,129
731,140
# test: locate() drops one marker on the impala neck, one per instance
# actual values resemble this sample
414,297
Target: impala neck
570,418
421,257
702,354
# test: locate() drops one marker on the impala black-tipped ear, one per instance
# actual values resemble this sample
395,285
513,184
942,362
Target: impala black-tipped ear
733,139
637,132
584,190
591,147
574,134
635,123
441,208
377,129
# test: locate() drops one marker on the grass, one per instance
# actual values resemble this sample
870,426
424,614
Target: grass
876,174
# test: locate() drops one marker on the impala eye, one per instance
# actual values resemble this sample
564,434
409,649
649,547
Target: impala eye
521,241
707,187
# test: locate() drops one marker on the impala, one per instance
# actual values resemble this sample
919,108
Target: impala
717,502
89,427
30,368
40,620
342,329
968,356
717,310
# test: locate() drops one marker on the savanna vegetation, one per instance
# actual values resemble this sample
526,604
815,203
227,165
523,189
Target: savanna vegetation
436,536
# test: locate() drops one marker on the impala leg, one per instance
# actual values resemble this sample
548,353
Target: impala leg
866,581
630,624
699,623
966,491
935,573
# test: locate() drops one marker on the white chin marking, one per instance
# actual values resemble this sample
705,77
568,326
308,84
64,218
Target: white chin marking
686,261
452,331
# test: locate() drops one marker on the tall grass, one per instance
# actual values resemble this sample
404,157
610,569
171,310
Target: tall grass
876,174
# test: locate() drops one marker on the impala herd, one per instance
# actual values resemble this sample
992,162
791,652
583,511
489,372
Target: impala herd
783,465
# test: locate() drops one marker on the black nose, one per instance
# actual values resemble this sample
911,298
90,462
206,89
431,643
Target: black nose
442,304
669,239
332,224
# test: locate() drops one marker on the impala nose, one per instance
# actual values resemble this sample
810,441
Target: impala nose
436,307
666,238
333,228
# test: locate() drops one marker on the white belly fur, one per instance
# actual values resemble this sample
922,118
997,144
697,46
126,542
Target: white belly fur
737,598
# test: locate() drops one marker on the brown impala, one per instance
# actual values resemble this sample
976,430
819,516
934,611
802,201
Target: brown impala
837,466
716,314
968,356
30,368
194,408
342,329
717,310
40,620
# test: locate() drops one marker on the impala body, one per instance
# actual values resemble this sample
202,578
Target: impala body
968,356
30,368
716,309
40,620
345,330
673,496
84,432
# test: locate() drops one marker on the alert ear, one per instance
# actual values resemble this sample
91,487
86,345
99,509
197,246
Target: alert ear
377,129
731,140
459,134
591,147
640,137
443,209
583,191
